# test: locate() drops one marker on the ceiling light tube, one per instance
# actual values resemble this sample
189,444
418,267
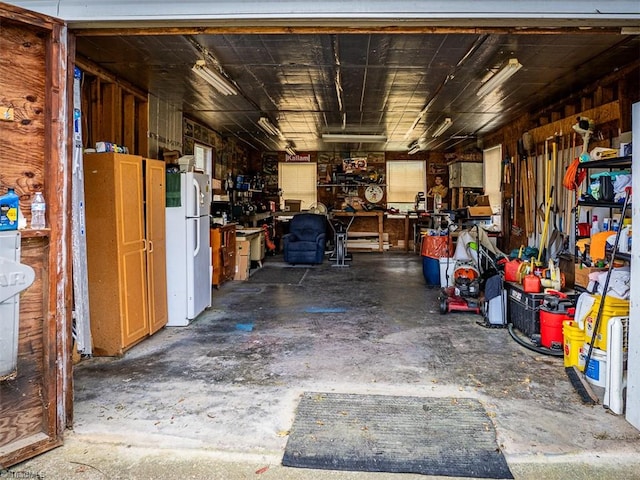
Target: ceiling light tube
443,127
289,149
500,77
213,78
352,138
269,128
417,120
414,148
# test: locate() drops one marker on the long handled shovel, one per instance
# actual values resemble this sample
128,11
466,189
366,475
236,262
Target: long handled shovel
549,199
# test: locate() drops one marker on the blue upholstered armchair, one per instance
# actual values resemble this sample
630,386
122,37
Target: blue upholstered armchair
306,238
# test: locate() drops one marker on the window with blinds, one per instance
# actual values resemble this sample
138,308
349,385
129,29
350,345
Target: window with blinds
298,181
405,178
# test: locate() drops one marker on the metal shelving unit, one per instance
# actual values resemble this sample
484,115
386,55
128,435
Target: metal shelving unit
611,164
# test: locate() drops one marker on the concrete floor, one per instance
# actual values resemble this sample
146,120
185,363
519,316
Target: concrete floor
215,401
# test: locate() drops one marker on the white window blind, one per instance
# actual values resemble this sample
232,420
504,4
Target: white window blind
405,178
298,182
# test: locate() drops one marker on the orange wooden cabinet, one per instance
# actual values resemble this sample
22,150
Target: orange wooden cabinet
126,255
223,253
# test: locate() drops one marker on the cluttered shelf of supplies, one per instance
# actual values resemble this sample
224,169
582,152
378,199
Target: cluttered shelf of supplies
594,239
602,273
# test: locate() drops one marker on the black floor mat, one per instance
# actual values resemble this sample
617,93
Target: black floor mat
381,433
279,275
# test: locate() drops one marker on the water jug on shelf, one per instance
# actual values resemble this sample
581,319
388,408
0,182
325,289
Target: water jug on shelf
38,208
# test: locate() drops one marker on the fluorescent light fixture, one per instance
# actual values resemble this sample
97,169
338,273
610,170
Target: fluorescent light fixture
215,79
352,138
418,118
271,129
443,127
289,149
414,148
500,77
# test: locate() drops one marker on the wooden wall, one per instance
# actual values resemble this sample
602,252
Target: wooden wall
34,153
334,197
607,101
113,111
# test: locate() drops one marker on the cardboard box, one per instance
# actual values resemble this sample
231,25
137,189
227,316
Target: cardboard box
292,205
581,275
480,211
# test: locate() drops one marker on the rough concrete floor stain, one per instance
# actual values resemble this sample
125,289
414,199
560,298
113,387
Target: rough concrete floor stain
214,389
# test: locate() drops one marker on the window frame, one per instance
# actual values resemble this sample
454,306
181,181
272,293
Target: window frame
399,197
307,193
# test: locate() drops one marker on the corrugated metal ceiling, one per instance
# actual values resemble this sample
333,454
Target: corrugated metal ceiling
372,83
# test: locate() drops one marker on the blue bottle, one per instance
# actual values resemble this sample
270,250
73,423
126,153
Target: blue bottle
9,204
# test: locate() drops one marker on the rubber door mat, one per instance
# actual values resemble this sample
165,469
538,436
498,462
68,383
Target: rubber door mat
382,433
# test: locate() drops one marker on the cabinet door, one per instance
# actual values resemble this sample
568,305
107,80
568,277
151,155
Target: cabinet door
131,246
230,242
216,256
156,244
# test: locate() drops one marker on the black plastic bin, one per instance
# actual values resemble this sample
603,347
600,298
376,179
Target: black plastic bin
523,309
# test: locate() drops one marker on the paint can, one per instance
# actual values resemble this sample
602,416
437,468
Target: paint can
573,340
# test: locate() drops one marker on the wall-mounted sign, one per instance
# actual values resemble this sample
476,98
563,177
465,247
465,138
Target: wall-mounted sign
297,158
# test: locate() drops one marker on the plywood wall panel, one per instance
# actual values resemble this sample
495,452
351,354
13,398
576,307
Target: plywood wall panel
23,399
22,89
33,156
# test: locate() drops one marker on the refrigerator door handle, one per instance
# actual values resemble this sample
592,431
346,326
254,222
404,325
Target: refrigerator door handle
197,236
197,199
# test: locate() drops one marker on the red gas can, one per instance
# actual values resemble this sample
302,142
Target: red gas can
531,283
511,269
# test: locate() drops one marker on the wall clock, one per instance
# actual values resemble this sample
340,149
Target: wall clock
373,193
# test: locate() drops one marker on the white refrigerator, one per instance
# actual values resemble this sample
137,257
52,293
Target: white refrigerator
189,250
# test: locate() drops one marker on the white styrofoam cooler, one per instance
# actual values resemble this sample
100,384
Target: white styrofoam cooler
446,272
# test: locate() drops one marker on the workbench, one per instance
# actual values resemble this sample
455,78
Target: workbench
378,214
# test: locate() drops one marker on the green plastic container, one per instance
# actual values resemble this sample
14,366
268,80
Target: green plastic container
9,204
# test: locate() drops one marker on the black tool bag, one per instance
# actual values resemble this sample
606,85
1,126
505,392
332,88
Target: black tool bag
606,189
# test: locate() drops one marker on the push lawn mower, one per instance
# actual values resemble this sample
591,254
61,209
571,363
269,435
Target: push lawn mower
474,261
463,295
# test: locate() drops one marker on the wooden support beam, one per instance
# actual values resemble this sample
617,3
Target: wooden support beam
569,110
142,130
586,103
89,67
111,114
306,27
601,115
94,130
129,122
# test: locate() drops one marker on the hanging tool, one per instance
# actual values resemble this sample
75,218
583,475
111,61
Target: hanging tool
584,128
527,182
554,238
548,192
516,186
